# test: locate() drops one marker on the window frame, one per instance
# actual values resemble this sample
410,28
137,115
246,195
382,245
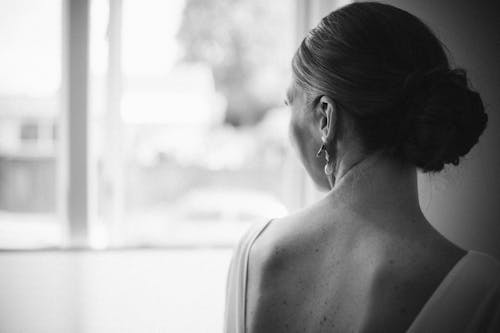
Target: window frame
73,172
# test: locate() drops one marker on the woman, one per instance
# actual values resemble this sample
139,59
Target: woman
373,98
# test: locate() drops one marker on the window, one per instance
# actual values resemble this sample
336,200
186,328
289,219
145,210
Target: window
30,33
185,142
191,132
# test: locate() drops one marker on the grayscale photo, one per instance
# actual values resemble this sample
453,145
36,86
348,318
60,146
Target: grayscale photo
249,166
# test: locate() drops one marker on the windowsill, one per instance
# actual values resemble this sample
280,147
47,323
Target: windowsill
113,290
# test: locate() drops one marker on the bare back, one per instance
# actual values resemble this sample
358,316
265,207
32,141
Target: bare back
327,269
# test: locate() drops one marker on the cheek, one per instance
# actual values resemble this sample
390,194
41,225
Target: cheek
294,133
306,148
299,136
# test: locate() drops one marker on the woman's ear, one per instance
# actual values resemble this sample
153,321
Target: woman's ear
327,113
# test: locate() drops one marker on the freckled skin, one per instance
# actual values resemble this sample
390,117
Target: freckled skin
362,259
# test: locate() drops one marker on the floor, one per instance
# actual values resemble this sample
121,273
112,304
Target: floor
178,290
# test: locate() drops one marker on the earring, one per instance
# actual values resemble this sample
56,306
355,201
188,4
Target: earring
321,150
328,166
328,169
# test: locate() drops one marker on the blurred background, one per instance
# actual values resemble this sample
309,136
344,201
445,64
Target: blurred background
186,132
140,138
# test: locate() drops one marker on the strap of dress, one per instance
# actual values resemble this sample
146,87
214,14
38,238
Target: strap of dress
236,284
456,303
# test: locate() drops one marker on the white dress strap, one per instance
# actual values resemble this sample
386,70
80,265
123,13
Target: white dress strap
235,309
468,299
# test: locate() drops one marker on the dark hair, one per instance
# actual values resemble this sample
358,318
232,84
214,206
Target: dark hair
387,70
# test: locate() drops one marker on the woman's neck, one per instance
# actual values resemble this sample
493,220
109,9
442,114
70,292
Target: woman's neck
377,183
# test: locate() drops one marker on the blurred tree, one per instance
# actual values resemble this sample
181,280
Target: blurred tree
247,45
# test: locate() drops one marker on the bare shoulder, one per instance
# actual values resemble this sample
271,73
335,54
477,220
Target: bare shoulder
267,259
276,259
281,239
271,246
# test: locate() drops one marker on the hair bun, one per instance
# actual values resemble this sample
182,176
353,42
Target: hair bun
443,118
